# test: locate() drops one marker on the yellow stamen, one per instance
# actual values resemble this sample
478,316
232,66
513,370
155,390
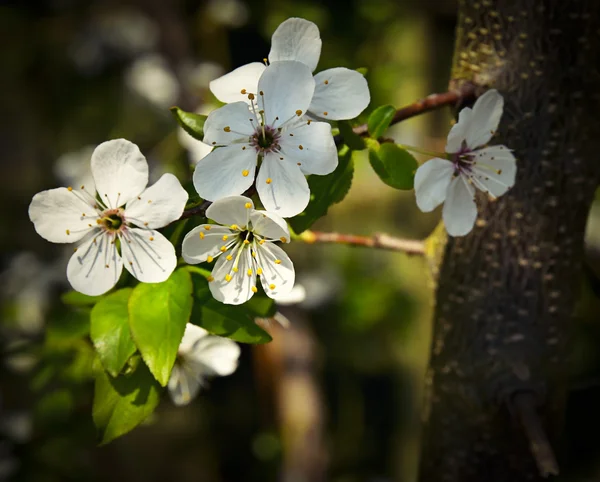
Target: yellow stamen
229,257
325,113
298,112
228,278
225,237
227,129
243,91
248,205
68,232
254,290
277,261
249,272
300,147
254,254
207,227
234,226
201,235
70,188
271,286
326,82
210,259
245,172
209,279
223,249
262,241
246,241
269,180
259,271
250,96
235,269
151,238
283,240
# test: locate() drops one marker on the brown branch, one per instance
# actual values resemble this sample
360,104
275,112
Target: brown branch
380,241
524,404
431,102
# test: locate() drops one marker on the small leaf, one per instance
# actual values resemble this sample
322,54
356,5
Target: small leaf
235,322
379,120
325,191
75,298
395,166
192,123
362,70
122,403
158,313
352,140
109,331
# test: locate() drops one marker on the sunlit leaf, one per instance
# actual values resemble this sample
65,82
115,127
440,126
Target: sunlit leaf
395,166
158,313
192,123
379,120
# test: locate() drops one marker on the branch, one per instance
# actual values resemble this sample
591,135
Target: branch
431,102
524,403
380,241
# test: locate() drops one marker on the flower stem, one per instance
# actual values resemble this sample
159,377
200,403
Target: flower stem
380,241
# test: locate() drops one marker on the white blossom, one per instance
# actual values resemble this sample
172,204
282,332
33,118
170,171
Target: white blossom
340,93
274,133
200,355
453,181
116,223
244,238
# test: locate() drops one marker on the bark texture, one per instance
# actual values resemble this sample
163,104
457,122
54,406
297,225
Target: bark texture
506,292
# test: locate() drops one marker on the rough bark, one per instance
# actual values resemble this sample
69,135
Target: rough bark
506,292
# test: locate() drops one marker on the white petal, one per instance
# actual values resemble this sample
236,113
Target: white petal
278,273
200,243
228,88
296,39
458,133
120,171
160,204
229,124
460,210
270,226
487,112
288,88
226,171
62,216
196,150
191,335
96,266
214,355
311,146
231,210
238,289
295,296
340,93
287,193
148,255
495,168
431,183
183,385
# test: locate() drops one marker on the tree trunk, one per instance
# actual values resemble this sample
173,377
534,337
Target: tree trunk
506,291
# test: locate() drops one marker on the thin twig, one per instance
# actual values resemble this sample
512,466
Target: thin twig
524,403
380,241
429,103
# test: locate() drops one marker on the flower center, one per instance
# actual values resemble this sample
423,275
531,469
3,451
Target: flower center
112,220
265,139
246,235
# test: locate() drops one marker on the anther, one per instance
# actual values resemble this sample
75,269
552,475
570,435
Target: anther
326,82
248,205
209,259
209,279
300,147
70,188
201,235
243,91
259,271
229,257
249,272
225,237
250,96
271,286
325,113
261,93
235,226
269,180
298,112
254,290
228,278
246,241
68,232
207,227
227,129
235,269
277,261
223,249
245,172
262,241
283,239
151,238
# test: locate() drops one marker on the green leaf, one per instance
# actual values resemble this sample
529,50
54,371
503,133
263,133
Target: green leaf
395,166
110,332
122,403
192,123
352,140
75,298
235,322
325,191
362,70
158,313
379,120
261,306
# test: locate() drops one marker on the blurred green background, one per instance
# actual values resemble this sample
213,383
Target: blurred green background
335,397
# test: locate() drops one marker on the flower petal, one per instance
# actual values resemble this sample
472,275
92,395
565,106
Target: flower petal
238,289
214,355
228,88
184,384
460,210
282,187
311,146
160,204
458,133
296,39
96,265
120,171
191,335
62,216
231,210
201,243
431,183
278,273
288,88
270,226
487,112
148,255
226,171
495,168
229,124
340,93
